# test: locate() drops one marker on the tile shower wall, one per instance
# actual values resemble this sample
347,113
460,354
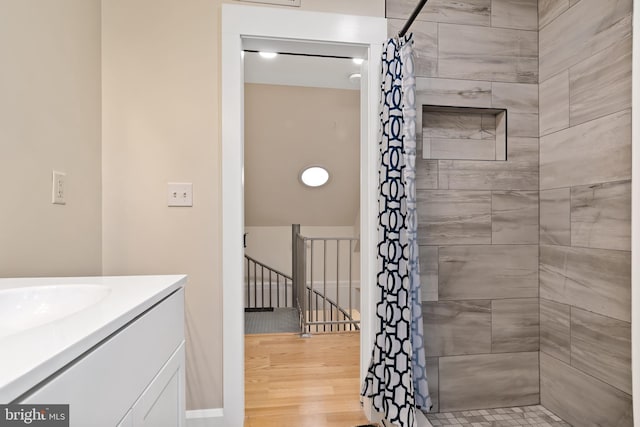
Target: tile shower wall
479,226
585,209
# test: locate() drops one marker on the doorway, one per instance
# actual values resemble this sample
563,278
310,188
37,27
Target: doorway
270,29
301,113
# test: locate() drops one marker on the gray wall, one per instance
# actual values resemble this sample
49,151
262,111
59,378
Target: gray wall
479,218
585,210
508,270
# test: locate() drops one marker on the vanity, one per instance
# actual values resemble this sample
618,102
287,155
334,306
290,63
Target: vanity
112,348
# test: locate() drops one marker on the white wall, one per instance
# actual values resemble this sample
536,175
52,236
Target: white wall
161,122
351,7
270,246
50,119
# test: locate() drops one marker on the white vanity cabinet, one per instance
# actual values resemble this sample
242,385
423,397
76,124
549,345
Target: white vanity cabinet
134,377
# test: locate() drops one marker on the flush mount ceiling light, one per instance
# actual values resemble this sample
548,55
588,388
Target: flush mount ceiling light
355,76
358,61
268,55
314,176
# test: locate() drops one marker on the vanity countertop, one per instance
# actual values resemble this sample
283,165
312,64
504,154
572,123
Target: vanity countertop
30,356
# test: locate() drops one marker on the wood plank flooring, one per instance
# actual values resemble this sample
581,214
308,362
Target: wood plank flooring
303,382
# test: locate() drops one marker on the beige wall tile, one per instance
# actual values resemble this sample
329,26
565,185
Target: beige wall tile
454,217
601,216
589,26
468,134
519,172
487,381
593,152
515,97
501,136
432,377
580,399
487,272
514,217
472,12
453,125
454,93
555,217
601,84
480,53
522,125
555,329
515,325
429,273
457,327
554,103
426,174
425,47
518,14
601,347
489,123
548,10
462,149
597,280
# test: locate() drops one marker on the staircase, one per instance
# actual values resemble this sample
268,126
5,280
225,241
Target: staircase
321,288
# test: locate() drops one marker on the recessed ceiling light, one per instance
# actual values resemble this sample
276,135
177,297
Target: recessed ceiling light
268,55
314,176
355,76
358,61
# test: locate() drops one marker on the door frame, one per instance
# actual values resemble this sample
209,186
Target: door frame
240,23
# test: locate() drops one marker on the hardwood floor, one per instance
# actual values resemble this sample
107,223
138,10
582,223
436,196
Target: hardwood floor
303,382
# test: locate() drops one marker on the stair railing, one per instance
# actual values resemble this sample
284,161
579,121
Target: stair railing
267,279
322,294
318,311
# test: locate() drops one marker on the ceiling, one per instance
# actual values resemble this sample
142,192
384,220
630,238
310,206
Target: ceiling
298,70
301,111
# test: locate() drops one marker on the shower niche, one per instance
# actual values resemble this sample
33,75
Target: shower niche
464,133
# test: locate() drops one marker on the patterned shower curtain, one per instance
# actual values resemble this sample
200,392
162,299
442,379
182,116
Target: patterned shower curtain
396,380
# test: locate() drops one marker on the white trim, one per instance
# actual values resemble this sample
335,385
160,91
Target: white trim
323,29
635,213
205,413
205,418
369,126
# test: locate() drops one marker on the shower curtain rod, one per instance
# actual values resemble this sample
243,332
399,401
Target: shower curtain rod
412,18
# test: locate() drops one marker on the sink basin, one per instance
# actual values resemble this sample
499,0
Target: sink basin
24,308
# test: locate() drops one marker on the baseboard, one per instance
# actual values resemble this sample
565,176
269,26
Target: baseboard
205,418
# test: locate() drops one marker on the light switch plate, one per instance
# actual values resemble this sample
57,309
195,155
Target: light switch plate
180,194
58,188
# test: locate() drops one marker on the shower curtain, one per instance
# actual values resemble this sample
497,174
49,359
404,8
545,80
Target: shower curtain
396,380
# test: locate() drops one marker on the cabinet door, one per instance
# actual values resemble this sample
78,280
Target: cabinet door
108,380
162,402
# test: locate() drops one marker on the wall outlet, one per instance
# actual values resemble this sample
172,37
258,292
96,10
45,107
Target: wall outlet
180,194
58,188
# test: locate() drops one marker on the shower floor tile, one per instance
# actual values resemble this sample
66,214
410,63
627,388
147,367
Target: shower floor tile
525,416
